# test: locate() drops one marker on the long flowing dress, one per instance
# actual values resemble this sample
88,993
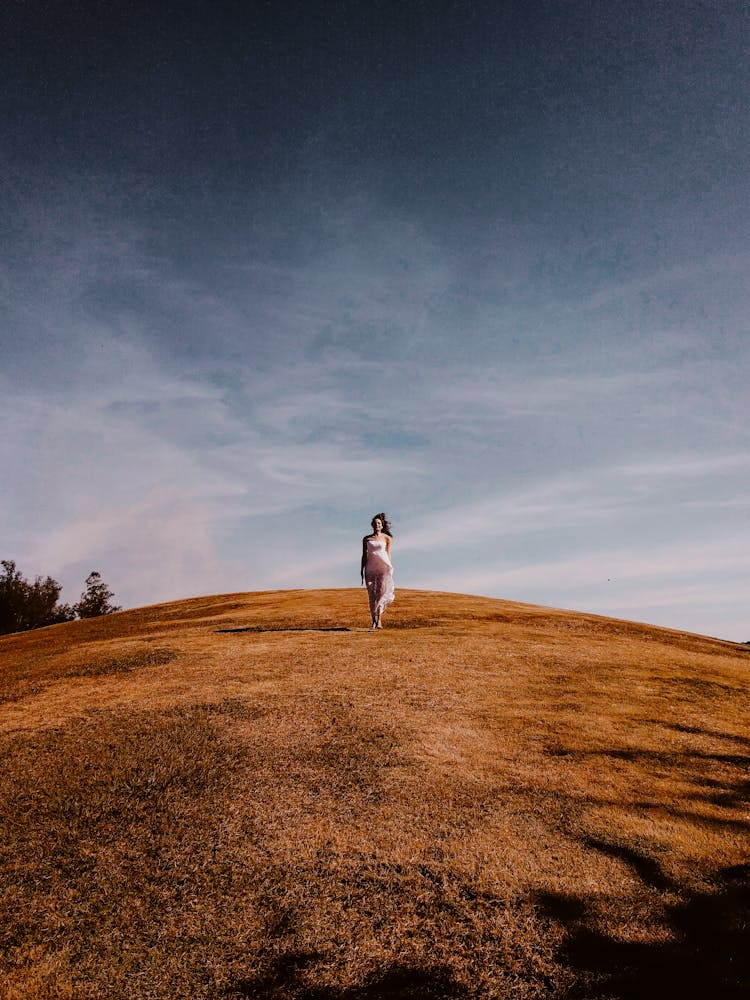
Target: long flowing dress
378,576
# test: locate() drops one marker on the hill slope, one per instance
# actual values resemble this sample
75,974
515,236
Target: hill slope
486,799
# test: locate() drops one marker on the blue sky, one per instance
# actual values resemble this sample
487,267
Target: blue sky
266,274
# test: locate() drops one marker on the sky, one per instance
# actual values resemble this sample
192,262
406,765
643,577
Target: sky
267,269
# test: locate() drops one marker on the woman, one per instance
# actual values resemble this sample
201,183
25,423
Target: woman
376,570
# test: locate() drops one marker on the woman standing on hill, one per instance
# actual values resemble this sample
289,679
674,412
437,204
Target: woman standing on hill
376,570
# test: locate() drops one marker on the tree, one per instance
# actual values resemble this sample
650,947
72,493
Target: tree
12,596
95,600
25,605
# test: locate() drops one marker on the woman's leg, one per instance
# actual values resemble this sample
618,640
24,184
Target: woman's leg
370,600
385,595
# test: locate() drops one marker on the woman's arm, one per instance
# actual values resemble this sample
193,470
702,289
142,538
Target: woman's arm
364,560
388,544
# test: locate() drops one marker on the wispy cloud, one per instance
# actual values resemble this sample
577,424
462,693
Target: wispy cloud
672,562
647,583
686,466
601,493
668,278
148,471
520,391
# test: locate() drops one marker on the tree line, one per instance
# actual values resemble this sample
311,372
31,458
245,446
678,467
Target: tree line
25,605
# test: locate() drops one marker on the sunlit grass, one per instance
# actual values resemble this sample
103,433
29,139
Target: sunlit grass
485,800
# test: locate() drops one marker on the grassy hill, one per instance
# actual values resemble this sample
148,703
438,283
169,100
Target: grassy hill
485,799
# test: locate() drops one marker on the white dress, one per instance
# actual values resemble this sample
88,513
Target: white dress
378,576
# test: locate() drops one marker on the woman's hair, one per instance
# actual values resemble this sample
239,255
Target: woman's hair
386,523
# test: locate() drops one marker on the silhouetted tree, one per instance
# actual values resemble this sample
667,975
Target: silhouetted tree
12,594
96,598
25,605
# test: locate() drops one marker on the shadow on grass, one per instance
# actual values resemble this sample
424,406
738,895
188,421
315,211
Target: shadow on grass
734,798
730,790
409,983
706,954
679,727
658,756
647,869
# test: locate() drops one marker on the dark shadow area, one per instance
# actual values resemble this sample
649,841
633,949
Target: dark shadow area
563,907
733,798
728,794
409,983
699,731
646,868
706,956
283,972
658,756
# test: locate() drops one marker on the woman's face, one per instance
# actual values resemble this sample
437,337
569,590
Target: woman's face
377,524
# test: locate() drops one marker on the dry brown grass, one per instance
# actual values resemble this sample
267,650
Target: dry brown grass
484,800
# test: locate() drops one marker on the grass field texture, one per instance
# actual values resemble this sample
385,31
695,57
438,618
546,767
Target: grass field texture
484,800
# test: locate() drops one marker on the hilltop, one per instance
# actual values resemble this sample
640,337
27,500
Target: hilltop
251,795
